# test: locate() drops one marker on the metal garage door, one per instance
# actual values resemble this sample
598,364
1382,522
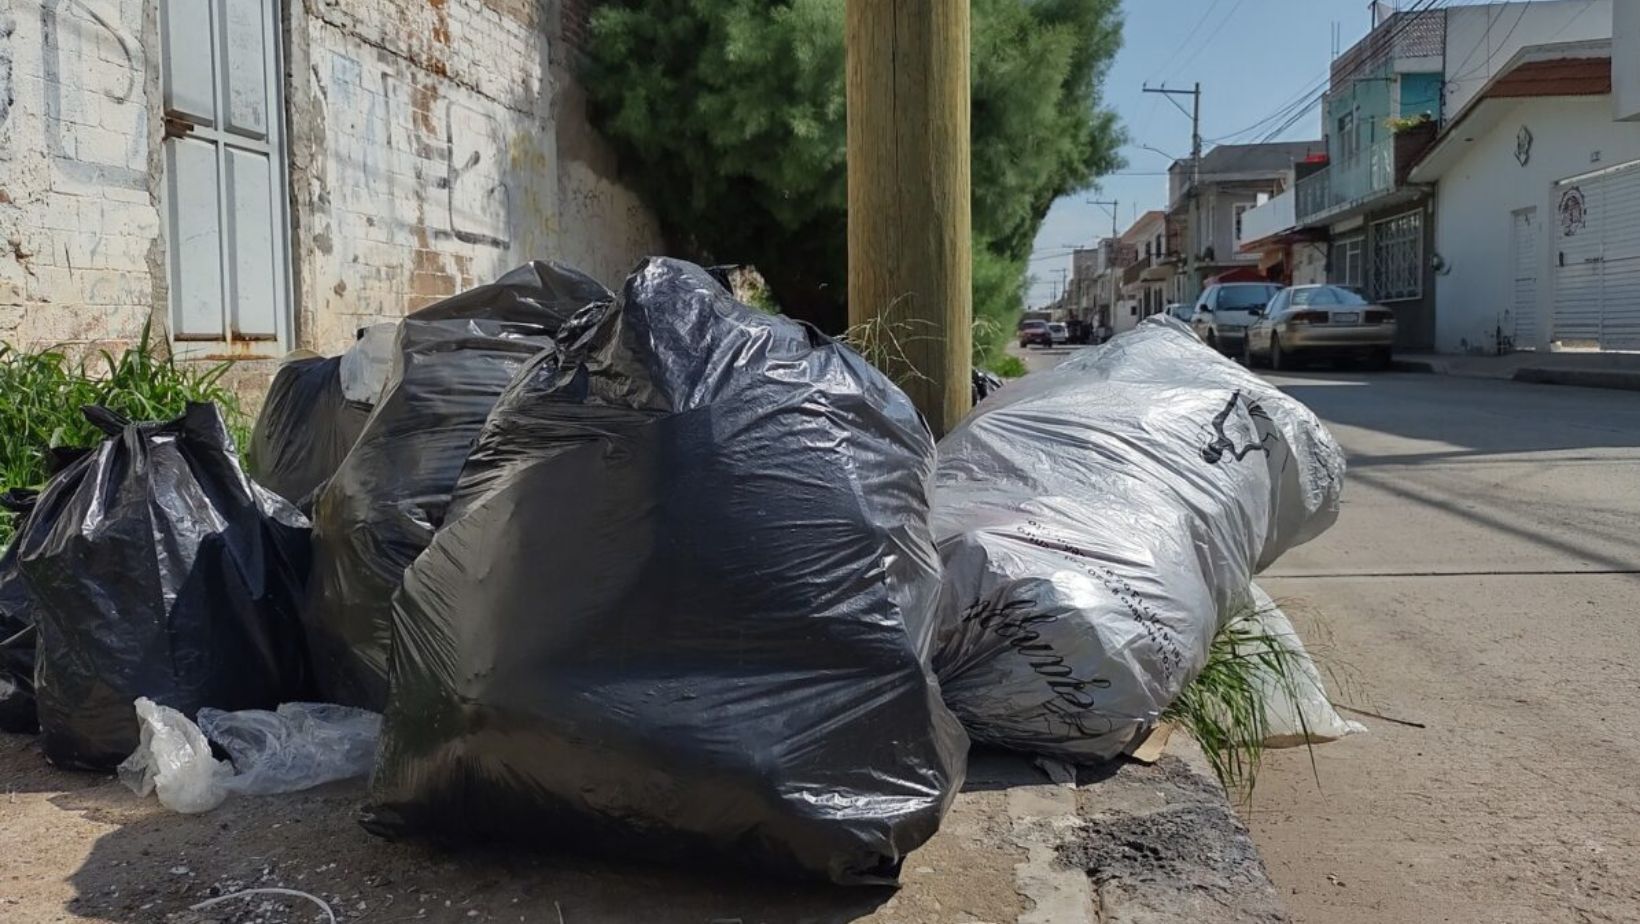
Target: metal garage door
225,175
1597,259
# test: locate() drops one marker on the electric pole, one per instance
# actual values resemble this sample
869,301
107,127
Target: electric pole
1195,115
909,224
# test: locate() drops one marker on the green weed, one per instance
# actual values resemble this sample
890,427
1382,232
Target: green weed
45,389
1223,708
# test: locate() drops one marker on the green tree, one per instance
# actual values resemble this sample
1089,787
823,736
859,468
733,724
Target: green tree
731,116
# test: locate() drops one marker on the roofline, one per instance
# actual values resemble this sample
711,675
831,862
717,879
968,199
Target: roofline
1588,49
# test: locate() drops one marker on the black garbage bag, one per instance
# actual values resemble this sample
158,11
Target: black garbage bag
985,384
157,568
17,635
305,429
17,714
380,509
680,608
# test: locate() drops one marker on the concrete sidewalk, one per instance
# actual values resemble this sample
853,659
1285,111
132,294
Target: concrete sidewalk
1131,844
1588,369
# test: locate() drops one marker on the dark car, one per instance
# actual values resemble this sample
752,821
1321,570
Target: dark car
1224,312
1035,332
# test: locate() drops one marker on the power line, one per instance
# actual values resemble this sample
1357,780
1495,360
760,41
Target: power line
1307,100
1405,20
1182,45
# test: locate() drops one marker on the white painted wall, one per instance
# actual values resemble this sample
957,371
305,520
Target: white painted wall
1478,194
1480,40
432,146
78,215
1626,59
1309,264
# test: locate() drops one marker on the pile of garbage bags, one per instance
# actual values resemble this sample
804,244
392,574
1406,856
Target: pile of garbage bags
1099,523
656,574
680,604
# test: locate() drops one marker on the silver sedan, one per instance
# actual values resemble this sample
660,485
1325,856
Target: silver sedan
1320,321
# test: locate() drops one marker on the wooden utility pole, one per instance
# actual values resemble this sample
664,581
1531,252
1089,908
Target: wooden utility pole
909,225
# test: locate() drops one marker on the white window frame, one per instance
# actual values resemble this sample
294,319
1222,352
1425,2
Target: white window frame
1242,208
1349,262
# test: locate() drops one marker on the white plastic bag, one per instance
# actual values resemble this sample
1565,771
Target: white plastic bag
173,760
1296,711
300,746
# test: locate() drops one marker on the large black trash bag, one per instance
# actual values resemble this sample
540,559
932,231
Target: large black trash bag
305,429
17,714
17,711
376,514
680,609
157,568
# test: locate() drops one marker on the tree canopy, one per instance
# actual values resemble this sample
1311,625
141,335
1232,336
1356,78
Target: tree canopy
730,115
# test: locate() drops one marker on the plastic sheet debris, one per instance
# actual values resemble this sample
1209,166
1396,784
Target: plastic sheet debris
1097,524
296,747
173,761
380,509
1297,710
155,568
299,746
680,608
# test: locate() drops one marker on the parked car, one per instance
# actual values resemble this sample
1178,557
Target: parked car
1311,321
1034,332
1182,312
1224,311
1058,333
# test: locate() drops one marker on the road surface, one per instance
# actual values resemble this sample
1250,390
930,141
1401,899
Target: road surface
1483,581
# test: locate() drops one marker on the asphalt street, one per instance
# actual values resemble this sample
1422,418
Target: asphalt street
1483,582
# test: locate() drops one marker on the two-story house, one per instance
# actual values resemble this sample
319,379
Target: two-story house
1208,204
1387,98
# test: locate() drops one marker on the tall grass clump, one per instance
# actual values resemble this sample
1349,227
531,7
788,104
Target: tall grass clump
1224,707
43,390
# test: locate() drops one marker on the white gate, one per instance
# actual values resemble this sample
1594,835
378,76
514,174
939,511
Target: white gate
1521,327
225,175
1597,259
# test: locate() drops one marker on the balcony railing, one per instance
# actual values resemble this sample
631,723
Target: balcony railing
1269,219
1346,182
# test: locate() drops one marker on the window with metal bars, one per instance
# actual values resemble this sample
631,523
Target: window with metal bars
1398,257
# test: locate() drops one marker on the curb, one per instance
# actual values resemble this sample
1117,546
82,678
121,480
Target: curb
1620,379
1162,843
1413,365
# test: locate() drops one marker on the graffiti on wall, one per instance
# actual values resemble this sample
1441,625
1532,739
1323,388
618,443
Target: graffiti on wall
402,152
96,123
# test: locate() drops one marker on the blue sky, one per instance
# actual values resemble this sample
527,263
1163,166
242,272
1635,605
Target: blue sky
1251,56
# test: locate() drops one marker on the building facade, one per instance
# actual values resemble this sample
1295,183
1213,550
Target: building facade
1210,205
1537,207
1389,97
253,176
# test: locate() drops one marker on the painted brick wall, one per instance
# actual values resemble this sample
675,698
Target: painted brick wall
78,221
434,133
432,144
